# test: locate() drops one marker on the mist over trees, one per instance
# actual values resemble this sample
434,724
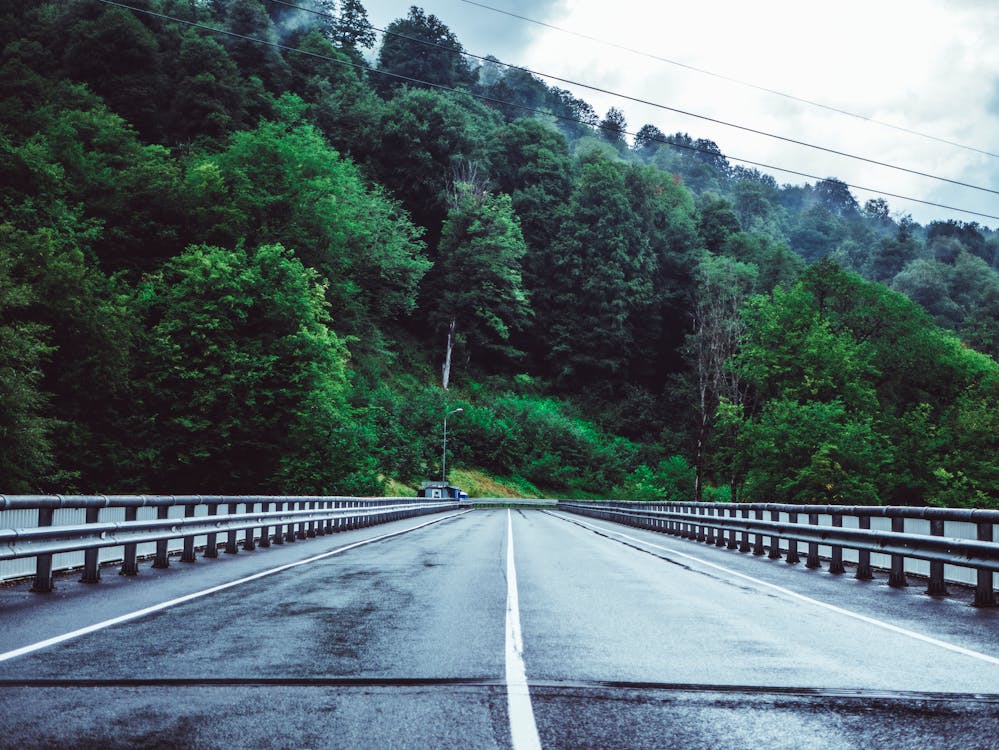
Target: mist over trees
230,266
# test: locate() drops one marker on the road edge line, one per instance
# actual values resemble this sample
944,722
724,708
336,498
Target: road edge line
523,728
55,640
801,597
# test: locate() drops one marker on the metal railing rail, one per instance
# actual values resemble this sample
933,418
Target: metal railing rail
304,517
723,524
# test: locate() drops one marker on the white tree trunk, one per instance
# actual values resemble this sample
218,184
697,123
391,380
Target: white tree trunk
447,357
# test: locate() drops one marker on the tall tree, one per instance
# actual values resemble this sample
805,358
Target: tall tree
426,137
253,49
421,49
723,285
479,288
246,385
352,31
613,128
281,182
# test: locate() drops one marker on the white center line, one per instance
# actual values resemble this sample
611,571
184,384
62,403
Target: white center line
523,730
800,597
5,656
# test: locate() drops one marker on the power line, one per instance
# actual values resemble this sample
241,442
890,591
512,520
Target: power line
658,105
525,108
730,79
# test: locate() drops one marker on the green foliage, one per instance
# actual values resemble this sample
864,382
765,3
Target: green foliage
421,48
615,271
479,285
426,138
857,397
246,385
26,453
281,182
670,480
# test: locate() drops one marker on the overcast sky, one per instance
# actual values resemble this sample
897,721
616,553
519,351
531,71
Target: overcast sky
930,66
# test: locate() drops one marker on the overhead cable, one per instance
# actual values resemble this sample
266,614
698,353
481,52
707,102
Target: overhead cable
657,105
730,79
532,110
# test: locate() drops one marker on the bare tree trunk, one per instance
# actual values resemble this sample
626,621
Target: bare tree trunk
447,357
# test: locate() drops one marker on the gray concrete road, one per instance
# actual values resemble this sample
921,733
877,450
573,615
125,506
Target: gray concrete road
629,639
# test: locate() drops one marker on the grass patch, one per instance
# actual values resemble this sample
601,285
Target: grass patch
395,488
478,483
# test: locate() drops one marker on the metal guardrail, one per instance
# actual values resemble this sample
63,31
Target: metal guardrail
731,525
291,518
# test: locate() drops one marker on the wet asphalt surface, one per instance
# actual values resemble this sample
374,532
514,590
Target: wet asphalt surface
631,639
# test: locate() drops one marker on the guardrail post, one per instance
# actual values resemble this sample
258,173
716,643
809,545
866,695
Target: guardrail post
896,579
792,544
864,572
129,563
744,544
249,544
709,535
212,544
936,586
758,549
265,532
311,532
985,595
231,545
836,566
300,533
162,559
732,543
321,525
91,570
774,540
330,523
43,563
289,532
812,561
701,530
188,556
278,529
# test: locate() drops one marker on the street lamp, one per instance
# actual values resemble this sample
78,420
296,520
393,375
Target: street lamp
444,453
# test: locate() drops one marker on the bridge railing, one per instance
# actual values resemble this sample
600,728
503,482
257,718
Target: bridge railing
935,542
40,534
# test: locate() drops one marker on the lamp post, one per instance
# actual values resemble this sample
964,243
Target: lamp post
444,453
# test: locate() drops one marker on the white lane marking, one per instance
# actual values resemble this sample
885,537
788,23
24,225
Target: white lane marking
801,597
198,594
523,730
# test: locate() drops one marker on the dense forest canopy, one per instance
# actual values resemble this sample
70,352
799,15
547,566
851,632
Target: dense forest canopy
238,239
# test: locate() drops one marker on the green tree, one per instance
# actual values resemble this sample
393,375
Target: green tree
422,49
426,138
246,385
119,58
479,285
208,97
613,128
722,286
281,182
351,31
26,454
253,49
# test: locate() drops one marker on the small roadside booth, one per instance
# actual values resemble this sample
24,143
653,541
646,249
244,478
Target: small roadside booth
440,491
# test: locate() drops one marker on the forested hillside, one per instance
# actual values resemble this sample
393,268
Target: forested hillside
238,236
